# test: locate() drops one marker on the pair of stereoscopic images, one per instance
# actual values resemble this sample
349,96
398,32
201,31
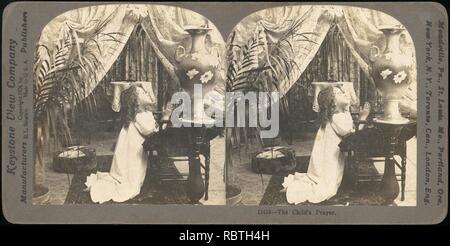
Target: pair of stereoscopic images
150,104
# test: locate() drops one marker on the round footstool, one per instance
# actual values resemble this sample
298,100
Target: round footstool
274,160
75,159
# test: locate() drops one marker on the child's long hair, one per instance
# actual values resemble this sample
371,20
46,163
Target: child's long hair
327,105
129,105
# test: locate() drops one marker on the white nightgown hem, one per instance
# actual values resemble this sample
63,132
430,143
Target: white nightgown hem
129,164
326,165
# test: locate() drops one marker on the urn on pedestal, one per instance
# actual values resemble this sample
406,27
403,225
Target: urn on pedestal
391,72
197,67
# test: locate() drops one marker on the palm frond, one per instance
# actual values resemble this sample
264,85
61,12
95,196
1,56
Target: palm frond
248,71
61,77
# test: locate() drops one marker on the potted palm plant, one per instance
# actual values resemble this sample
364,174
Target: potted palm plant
60,84
259,65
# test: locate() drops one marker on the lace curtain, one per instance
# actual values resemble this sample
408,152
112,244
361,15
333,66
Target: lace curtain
357,25
163,25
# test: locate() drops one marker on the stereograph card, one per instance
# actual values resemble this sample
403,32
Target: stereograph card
180,112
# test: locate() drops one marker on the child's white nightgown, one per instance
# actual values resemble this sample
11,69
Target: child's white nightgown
326,166
129,164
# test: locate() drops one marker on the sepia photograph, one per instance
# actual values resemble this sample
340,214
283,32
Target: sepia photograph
224,113
346,80
104,83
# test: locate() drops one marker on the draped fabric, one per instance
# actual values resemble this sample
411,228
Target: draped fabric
164,27
162,24
359,28
357,25
276,21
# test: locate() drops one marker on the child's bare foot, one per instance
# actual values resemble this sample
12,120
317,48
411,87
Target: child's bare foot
364,113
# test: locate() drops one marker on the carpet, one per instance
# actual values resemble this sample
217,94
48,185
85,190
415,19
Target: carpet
152,192
364,194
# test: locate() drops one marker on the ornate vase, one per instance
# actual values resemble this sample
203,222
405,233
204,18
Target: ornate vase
197,67
391,72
